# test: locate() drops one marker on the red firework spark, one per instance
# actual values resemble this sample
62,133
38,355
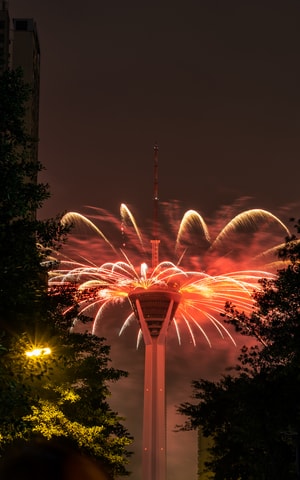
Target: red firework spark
206,272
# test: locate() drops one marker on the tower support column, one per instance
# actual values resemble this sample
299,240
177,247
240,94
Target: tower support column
155,309
154,423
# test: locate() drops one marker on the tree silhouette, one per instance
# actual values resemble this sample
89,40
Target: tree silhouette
252,414
66,393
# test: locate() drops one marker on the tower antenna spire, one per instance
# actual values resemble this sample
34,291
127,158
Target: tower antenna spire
155,241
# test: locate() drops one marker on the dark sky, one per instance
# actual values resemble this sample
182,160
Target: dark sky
214,83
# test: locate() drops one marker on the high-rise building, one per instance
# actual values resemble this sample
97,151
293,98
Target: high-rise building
4,35
26,54
19,47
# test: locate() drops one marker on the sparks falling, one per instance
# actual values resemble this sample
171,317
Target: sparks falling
205,272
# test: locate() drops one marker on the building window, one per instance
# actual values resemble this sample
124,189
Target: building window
21,25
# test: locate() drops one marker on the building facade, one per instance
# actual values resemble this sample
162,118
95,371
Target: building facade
4,36
19,47
25,53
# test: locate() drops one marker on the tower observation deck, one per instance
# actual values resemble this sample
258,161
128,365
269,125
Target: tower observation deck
153,307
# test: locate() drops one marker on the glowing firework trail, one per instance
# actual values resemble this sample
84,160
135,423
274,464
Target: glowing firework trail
203,294
167,294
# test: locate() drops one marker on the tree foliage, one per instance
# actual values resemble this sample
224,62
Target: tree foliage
253,413
66,393
22,274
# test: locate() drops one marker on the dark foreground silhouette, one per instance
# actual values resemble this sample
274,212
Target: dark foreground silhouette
49,460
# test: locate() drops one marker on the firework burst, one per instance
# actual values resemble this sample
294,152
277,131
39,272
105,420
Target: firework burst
188,288
205,272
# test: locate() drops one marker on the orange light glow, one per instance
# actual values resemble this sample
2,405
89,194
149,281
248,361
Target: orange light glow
38,352
204,291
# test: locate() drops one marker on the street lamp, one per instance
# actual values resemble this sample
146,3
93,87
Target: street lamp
38,352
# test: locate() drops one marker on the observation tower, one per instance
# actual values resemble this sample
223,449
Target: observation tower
154,307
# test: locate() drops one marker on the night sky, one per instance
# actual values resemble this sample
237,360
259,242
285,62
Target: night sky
215,84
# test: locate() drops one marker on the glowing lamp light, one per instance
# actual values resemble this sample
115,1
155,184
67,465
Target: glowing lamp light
38,352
